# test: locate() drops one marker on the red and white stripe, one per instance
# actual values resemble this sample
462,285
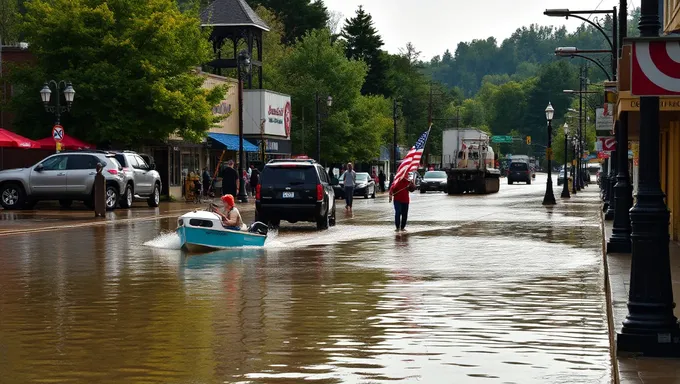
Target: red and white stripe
409,163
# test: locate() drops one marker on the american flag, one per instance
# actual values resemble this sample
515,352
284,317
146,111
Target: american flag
412,159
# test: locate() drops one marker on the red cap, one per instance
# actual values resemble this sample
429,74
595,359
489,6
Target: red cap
229,199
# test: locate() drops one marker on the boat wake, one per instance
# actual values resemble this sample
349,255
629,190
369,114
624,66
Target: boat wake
169,240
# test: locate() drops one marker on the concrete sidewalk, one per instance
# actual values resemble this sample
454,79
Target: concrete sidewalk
637,370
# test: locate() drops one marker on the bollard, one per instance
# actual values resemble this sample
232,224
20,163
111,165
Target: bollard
99,193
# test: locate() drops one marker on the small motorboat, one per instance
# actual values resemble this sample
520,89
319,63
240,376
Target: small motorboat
201,231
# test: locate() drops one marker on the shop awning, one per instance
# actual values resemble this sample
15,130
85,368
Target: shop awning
231,142
68,142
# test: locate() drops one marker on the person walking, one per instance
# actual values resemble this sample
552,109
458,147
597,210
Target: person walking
230,179
254,179
382,179
350,182
206,182
399,192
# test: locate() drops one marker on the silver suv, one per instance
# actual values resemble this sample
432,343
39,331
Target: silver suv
65,176
141,179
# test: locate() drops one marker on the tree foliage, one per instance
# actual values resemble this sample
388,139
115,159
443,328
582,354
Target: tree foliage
298,16
131,63
362,42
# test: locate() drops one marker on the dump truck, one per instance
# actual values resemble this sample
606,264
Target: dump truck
469,162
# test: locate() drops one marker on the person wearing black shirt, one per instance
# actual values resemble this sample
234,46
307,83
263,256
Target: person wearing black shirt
381,179
229,179
254,179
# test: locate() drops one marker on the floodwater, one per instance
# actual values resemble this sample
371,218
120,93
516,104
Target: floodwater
481,289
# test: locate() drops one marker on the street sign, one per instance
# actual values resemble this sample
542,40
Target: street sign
501,139
58,133
606,143
604,118
654,67
549,153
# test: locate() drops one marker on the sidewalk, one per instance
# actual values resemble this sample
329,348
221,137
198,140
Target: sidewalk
637,370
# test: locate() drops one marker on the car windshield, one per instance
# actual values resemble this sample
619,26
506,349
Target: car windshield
289,175
362,176
435,175
519,166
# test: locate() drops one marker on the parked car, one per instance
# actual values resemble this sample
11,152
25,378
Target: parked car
295,190
65,176
365,186
561,176
434,181
417,179
141,179
519,171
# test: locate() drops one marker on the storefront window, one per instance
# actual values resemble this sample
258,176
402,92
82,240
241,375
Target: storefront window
175,168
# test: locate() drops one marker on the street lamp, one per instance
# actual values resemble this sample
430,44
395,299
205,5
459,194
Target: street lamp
574,146
565,187
549,198
244,65
58,109
329,103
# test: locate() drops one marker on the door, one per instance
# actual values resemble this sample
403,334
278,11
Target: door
81,172
48,179
143,177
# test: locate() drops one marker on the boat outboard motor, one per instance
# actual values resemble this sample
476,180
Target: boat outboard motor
259,228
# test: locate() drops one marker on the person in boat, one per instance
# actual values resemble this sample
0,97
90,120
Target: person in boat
231,218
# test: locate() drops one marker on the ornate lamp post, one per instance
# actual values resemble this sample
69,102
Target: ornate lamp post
58,109
574,146
329,103
549,198
565,187
244,65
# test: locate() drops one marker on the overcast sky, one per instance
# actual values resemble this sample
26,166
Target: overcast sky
435,25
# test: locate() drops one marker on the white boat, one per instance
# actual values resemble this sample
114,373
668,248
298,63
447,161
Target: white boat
201,231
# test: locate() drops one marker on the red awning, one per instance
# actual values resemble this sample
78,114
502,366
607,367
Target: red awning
68,142
11,139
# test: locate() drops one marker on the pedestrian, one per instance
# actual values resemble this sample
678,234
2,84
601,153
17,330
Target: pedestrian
231,217
350,182
254,179
381,179
374,176
206,181
399,192
230,179
245,180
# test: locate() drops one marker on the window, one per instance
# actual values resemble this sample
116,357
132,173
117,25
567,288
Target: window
141,164
175,169
122,160
82,162
56,163
435,174
519,166
362,177
294,175
200,223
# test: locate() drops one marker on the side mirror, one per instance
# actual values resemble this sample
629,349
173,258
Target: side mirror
152,166
39,168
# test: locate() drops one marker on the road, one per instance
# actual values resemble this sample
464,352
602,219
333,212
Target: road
494,289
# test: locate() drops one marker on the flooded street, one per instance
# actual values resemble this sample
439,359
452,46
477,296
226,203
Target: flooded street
481,289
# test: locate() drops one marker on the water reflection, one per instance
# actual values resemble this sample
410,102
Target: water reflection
468,299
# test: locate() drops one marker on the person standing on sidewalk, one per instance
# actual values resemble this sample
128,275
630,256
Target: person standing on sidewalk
254,179
350,182
399,192
381,179
230,179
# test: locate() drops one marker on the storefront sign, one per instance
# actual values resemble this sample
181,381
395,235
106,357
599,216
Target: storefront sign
267,113
604,118
276,145
654,67
606,143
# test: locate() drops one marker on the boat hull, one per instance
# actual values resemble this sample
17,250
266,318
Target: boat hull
205,239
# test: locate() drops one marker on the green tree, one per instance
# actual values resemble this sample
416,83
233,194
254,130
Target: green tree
131,62
9,12
299,16
362,42
508,111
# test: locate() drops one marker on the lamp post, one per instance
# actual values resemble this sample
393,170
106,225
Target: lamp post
650,326
549,198
574,146
565,187
243,69
329,103
58,109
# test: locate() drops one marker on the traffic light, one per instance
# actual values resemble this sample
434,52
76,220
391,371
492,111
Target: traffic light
528,140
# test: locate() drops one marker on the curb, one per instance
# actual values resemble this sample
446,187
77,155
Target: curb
610,306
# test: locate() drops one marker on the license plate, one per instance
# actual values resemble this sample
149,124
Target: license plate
288,195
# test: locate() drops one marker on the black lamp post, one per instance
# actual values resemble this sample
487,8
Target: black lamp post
565,187
58,109
574,151
549,198
329,103
650,327
243,69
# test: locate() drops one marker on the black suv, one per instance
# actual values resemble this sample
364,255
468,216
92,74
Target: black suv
295,190
519,171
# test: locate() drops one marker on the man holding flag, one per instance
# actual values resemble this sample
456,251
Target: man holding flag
399,191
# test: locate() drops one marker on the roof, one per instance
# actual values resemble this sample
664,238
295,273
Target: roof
231,142
231,13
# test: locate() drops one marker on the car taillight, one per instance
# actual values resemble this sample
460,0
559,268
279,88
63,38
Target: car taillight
319,192
125,169
113,171
258,193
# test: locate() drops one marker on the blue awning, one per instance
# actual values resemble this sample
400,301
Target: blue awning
231,142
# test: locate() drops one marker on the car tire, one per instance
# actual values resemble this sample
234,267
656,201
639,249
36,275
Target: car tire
111,198
323,222
331,220
373,195
155,198
529,182
422,190
509,182
127,198
65,203
12,196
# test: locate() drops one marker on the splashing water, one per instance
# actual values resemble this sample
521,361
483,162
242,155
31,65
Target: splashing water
169,240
